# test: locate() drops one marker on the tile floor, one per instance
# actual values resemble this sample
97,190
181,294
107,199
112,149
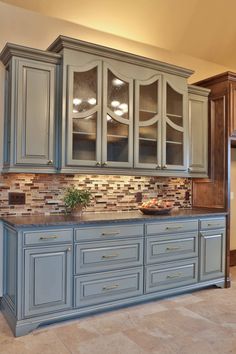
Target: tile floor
203,322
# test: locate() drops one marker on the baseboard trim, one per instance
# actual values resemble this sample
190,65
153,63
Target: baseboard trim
232,258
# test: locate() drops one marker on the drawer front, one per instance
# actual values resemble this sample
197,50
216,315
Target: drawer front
170,248
208,224
100,256
108,232
105,287
47,237
171,227
171,275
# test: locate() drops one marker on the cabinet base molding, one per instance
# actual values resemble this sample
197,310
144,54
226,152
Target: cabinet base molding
25,326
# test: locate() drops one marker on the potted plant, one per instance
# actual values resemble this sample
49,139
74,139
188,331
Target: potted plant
75,200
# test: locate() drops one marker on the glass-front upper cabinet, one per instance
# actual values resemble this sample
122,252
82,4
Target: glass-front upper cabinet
147,131
174,128
117,132
84,115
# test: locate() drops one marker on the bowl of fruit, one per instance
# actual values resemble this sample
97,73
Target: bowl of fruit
154,207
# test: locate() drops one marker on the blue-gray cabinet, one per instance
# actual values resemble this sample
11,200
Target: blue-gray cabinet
56,273
31,109
48,279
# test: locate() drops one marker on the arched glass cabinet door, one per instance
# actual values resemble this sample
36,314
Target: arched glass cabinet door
147,141
174,128
117,132
84,115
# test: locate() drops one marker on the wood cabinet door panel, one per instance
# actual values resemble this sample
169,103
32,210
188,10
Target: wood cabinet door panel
48,280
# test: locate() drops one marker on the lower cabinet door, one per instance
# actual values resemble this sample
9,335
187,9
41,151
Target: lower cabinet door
48,280
171,275
212,254
109,286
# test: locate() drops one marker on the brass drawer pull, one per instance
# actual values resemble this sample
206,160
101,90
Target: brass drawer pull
213,224
114,255
174,248
173,276
111,287
48,237
110,233
173,227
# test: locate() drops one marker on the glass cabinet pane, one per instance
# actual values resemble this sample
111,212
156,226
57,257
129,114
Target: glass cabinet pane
84,90
84,138
118,96
174,109
174,146
148,101
148,144
117,140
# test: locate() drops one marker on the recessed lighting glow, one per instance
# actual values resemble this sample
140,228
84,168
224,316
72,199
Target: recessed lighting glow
77,101
117,82
92,101
118,112
115,104
124,107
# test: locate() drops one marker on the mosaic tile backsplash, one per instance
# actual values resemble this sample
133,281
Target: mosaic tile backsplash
44,192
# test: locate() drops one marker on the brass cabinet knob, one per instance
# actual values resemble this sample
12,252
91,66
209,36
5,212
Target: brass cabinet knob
50,162
104,163
158,167
98,163
164,167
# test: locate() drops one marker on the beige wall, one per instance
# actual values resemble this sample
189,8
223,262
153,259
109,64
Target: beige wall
233,201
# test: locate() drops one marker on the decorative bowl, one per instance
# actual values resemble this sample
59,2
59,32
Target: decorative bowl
155,211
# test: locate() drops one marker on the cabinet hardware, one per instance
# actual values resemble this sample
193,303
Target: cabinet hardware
213,225
164,167
110,256
50,162
189,169
48,237
158,167
104,164
68,249
173,276
173,248
107,288
173,227
110,233
98,163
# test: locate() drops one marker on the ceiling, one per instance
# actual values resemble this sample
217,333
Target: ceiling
204,29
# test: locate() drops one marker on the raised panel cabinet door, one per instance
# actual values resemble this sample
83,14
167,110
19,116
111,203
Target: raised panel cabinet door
147,128
117,138
48,280
212,254
84,115
174,127
34,111
198,134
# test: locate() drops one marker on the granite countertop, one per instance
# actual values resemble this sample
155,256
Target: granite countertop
113,217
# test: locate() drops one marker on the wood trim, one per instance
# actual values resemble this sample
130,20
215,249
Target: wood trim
232,258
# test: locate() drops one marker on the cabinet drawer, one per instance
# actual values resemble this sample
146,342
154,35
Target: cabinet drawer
208,224
47,237
108,232
104,287
99,256
170,275
171,227
170,248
